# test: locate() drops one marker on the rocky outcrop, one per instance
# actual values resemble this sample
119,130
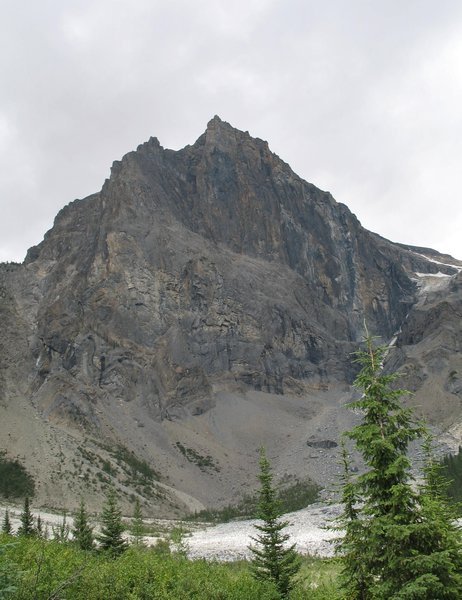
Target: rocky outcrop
429,348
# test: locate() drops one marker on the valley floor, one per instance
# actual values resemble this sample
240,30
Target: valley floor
308,529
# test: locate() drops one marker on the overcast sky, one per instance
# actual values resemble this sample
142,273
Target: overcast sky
361,97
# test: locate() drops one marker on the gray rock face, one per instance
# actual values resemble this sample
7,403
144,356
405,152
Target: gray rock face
214,260
429,350
213,268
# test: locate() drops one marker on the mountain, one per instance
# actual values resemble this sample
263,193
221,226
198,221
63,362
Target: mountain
204,302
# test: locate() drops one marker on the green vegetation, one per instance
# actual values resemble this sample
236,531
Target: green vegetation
178,541
82,532
61,532
244,509
6,523
272,560
298,495
112,528
400,542
9,573
33,568
291,497
451,469
27,520
140,470
203,462
137,528
15,481
39,527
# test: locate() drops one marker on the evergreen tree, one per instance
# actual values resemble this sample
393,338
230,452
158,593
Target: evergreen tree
137,528
39,527
82,531
355,575
110,538
6,523
27,520
178,538
404,542
440,545
451,468
62,531
272,559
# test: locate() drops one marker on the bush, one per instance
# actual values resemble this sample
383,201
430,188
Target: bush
54,570
45,569
9,573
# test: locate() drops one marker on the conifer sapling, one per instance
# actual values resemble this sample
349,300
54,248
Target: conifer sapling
112,528
82,531
272,559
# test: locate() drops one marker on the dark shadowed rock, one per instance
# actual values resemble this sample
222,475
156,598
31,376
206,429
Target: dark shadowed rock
326,444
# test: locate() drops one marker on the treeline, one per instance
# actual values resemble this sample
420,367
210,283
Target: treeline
295,496
110,538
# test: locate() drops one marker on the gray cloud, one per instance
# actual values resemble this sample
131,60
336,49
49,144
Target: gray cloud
361,98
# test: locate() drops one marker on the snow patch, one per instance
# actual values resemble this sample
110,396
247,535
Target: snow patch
437,262
439,274
393,341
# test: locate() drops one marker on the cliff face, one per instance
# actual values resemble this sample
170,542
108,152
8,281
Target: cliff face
429,353
206,271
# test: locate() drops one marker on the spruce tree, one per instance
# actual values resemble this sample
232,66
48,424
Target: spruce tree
82,531
137,528
110,537
272,559
355,575
6,523
439,553
404,541
27,520
39,527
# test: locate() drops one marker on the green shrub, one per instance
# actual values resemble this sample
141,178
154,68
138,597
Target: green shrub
9,573
42,570
203,462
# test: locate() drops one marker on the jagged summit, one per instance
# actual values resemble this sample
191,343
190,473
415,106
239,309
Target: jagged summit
225,129
209,297
216,122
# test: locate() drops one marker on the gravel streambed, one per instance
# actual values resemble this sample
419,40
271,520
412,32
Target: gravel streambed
308,530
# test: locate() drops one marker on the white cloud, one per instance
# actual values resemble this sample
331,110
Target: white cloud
360,98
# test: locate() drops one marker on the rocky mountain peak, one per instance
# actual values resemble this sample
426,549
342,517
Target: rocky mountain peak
195,291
